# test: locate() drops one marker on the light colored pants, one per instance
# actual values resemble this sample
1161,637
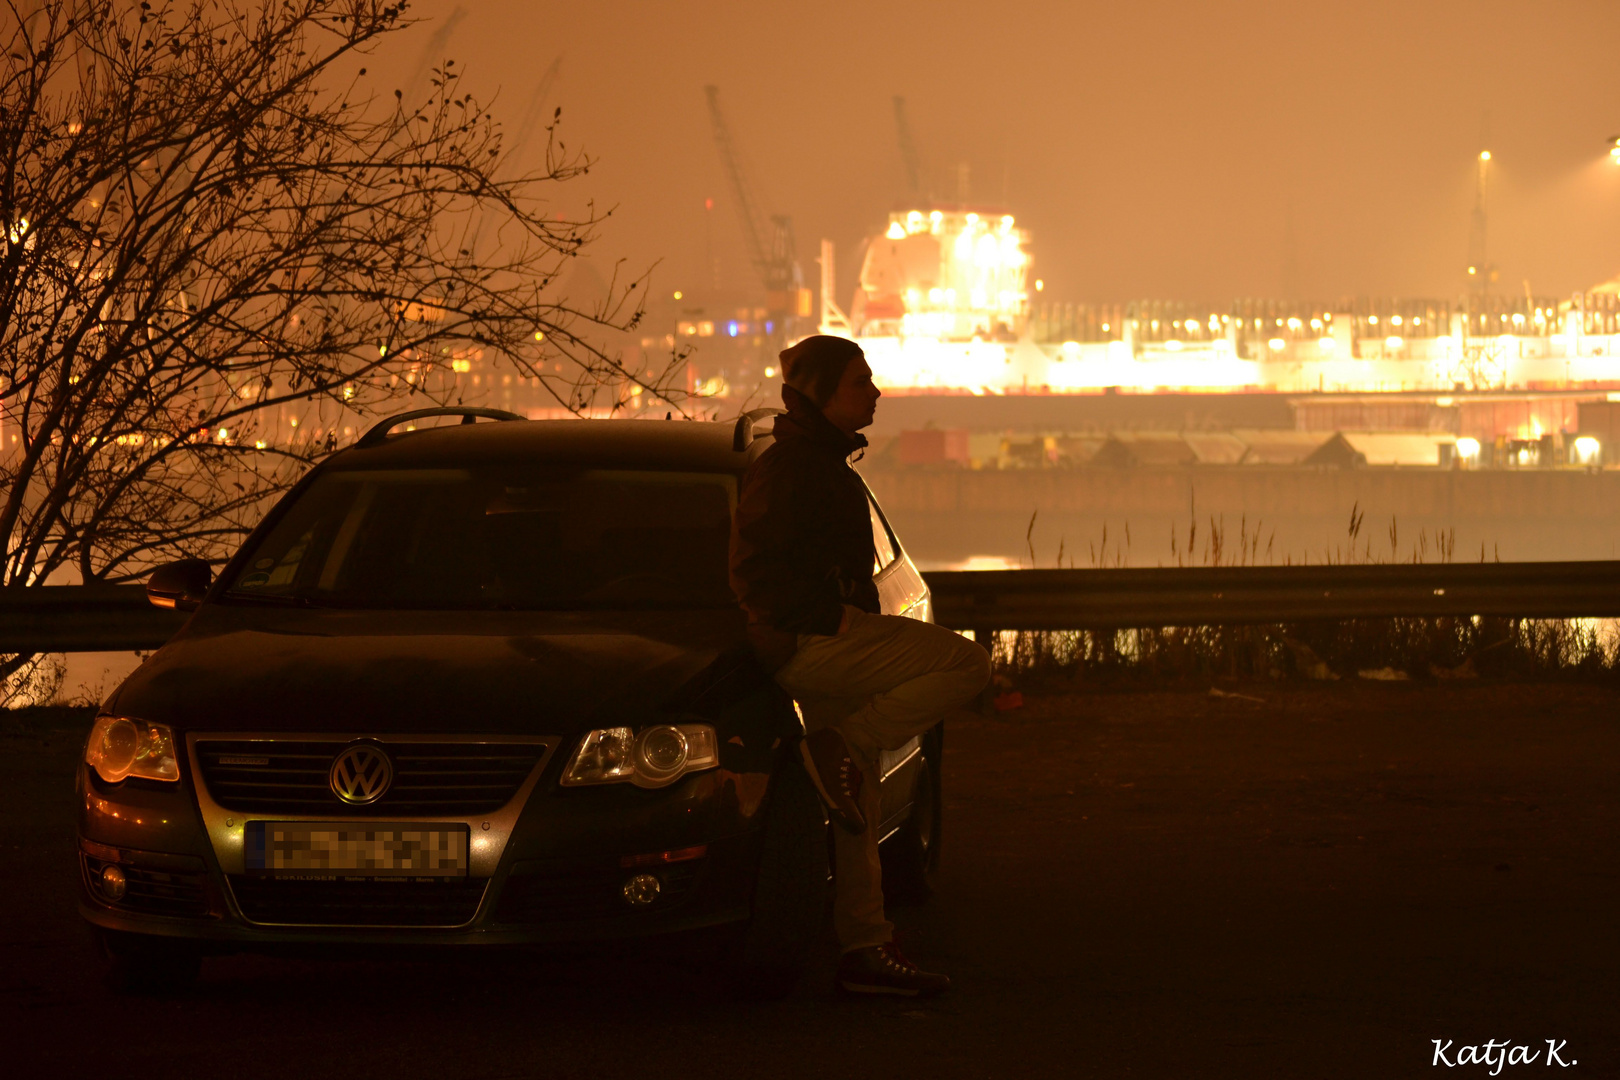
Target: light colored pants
883,681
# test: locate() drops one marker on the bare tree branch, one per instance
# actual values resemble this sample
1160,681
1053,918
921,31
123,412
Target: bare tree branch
197,230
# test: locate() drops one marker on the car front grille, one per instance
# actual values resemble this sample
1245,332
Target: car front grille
272,776
544,891
359,902
150,890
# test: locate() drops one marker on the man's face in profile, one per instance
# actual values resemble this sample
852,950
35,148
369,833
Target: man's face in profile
854,404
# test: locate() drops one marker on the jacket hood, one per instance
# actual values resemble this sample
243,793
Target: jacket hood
807,422
249,668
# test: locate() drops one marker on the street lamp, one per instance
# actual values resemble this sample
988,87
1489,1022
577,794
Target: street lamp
1614,149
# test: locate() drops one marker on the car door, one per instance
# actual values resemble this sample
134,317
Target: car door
901,588
901,591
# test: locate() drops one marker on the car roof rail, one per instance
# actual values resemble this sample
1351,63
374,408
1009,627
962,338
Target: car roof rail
744,433
378,432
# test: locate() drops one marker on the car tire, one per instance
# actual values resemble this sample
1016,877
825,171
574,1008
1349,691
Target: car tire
912,853
770,954
139,964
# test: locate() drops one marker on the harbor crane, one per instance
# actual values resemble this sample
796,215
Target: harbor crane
770,240
513,155
432,54
536,109
908,149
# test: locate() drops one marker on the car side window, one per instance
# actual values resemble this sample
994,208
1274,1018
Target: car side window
882,542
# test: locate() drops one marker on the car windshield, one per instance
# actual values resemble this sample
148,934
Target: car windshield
498,537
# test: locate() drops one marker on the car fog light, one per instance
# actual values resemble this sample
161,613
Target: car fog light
113,884
641,890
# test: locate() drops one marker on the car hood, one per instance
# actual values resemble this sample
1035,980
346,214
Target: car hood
254,669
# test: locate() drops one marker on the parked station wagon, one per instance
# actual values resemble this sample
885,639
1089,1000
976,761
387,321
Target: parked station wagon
478,684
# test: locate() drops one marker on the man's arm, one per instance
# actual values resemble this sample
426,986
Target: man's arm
775,572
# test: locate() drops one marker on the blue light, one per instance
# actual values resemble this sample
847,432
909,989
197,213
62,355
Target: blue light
731,328
770,328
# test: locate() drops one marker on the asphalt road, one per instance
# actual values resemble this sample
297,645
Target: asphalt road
1137,885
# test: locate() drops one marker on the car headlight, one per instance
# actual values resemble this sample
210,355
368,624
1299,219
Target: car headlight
655,757
120,747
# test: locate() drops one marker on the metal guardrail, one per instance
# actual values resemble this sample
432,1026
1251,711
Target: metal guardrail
1100,599
95,618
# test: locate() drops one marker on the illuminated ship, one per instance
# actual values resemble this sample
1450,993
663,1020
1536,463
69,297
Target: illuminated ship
943,305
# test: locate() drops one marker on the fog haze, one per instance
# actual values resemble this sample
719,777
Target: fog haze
1156,148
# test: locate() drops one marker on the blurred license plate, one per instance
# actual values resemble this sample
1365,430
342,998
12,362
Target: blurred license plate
350,849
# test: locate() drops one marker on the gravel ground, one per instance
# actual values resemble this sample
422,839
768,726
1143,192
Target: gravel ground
1314,884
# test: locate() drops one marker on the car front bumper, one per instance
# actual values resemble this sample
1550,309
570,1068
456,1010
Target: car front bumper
531,902
559,878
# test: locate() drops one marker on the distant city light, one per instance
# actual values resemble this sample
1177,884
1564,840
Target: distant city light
770,373
1393,342
1326,344
1467,447
677,294
1586,450
1277,344
1484,155
1039,285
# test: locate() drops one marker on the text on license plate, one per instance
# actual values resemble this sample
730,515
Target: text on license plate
375,849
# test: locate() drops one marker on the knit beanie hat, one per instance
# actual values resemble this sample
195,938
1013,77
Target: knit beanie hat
815,365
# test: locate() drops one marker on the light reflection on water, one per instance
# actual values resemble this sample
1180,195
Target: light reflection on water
972,562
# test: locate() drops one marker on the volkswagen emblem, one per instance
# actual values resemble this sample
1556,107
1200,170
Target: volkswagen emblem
361,774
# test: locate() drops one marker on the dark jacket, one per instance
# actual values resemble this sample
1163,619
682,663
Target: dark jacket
801,546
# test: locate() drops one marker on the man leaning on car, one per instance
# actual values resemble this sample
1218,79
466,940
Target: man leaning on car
801,564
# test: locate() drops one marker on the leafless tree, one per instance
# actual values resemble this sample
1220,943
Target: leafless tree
204,219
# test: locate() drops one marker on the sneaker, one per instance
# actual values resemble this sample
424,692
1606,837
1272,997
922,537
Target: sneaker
883,969
837,778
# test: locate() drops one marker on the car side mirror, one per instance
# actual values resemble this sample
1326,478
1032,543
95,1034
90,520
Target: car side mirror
179,586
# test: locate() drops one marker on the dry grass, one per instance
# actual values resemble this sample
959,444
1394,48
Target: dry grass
1412,648
1443,648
